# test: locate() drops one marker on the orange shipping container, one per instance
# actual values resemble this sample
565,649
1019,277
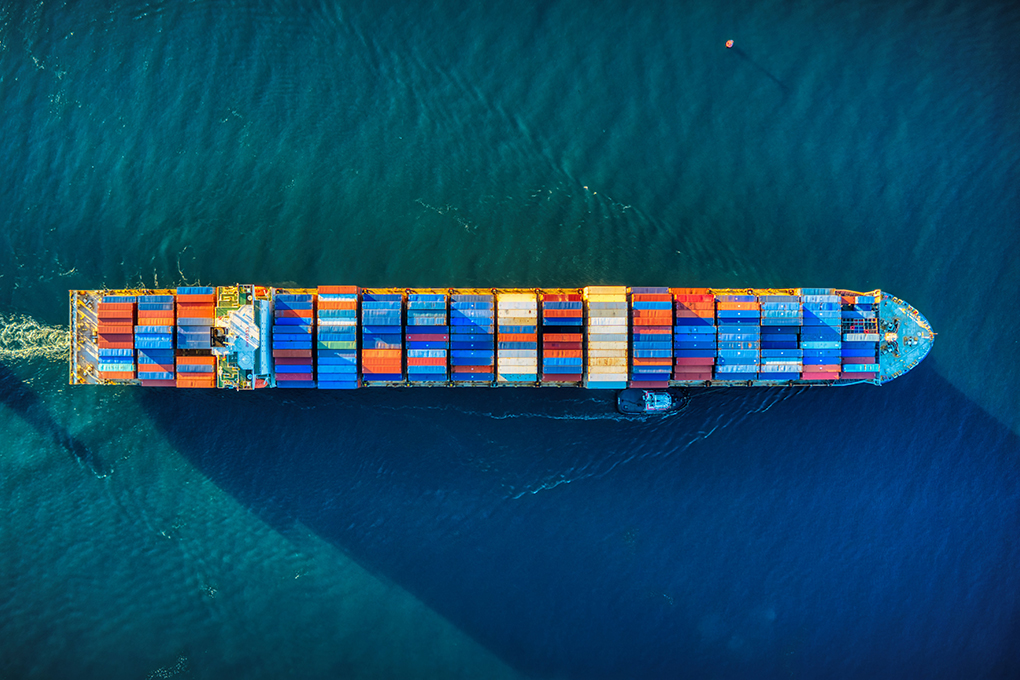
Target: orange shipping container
199,360
205,298
338,304
337,290
739,305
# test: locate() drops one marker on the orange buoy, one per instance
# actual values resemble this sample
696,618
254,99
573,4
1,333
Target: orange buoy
729,44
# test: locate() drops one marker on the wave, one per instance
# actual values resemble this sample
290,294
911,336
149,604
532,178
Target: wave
22,338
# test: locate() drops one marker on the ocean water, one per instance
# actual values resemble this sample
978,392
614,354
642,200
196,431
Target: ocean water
852,532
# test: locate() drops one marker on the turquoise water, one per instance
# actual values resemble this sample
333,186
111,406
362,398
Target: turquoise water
854,532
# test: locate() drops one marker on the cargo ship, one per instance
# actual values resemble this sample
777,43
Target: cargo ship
247,337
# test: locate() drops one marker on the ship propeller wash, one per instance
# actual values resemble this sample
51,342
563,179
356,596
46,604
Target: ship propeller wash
247,337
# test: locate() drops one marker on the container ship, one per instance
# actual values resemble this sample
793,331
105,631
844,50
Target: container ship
248,337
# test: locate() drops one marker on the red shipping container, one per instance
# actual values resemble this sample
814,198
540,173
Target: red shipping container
561,377
292,353
809,375
647,384
291,361
472,369
561,297
562,313
650,297
337,290
292,377
426,361
204,298
860,360
696,377
116,328
562,337
546,346
694,361
692,369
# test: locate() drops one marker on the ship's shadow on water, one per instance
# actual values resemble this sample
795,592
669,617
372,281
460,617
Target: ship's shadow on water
752,535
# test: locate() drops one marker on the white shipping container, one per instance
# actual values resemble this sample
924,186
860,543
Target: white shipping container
860,337
622,344
603,362
516,362
610,321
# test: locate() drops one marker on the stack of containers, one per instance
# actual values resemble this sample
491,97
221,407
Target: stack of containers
293,327
781,321
607,337
196,309
739,354
381,337
517,353
562,337
196,371
116,315
652,337
859,353
820,337
694,335
428,337
472,341
336,344
154,340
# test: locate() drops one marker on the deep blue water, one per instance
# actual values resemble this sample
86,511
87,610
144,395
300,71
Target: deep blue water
853,532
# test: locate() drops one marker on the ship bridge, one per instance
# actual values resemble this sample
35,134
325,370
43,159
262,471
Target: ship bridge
907,337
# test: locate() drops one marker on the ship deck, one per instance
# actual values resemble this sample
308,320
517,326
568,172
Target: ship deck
907,337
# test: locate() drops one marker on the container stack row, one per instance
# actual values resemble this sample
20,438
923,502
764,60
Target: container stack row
473,337
607,337
196,309
820,337
781,320
428,338
196,371
293,333
382,337
652,337
116,316
859,352
562,337
517,353
336,342
695,341
739,331
154,340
